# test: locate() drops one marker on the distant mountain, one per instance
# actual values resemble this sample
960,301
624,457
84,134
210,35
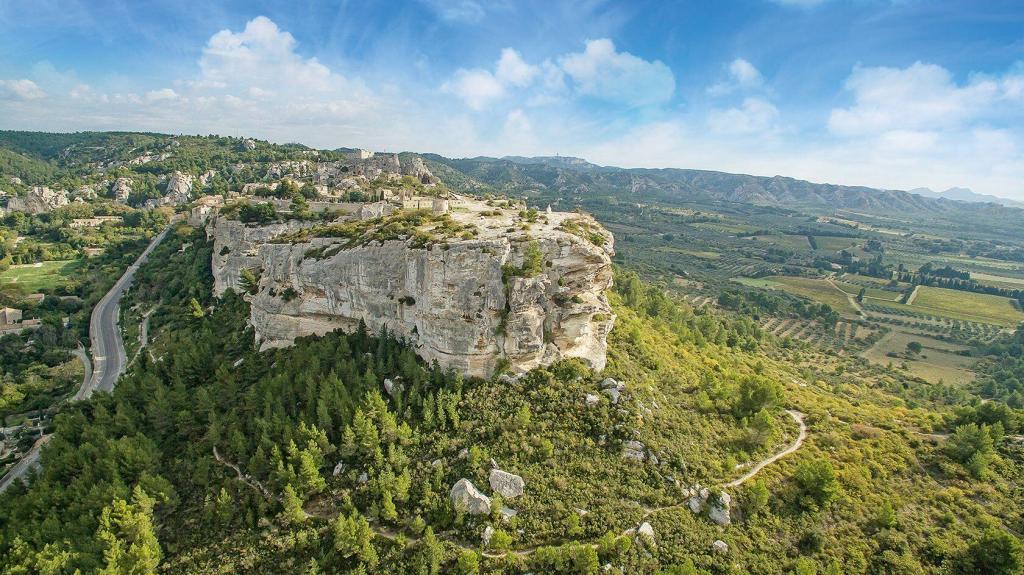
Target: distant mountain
966,195
555,161
566,176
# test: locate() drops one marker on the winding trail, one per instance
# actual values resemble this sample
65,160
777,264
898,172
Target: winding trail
799,418
391,534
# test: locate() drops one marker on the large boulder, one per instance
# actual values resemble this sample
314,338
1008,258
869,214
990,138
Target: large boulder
179,189
646,531
509,485
718,510
465,495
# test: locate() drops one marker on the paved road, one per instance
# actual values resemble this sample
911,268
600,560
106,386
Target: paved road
108,353
29,461
109,357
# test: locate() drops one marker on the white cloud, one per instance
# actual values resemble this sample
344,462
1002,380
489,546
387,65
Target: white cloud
744,73
921,96
603,73
513,71
755,115
742,76
477,88
20,90
161,95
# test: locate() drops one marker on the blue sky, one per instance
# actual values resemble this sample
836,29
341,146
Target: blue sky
887,93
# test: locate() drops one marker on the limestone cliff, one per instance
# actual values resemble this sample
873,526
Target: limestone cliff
469,288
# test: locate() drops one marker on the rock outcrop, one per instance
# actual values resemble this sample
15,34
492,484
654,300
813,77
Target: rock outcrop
38,200
466,496
462,300
509,485
122,188
177,192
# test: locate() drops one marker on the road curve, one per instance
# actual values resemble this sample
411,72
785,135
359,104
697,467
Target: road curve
799,418
109,357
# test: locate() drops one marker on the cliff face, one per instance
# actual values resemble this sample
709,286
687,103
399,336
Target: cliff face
464,301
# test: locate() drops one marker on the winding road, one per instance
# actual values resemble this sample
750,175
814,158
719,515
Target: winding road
109,357
108,353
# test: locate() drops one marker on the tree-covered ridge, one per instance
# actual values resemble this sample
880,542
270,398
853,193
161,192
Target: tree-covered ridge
213,457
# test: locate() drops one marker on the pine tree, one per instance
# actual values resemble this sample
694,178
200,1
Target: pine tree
130,546
292,512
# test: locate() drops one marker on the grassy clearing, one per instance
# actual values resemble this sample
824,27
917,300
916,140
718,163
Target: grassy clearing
937,362
34,277
967,306
869,292
758,283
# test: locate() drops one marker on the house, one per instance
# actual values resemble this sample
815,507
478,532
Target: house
11,322
9,315
34,298
95,222
358,155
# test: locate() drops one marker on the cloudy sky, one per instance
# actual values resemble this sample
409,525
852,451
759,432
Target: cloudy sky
887,93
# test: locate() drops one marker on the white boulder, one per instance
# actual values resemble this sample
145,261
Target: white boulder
464,494
509,485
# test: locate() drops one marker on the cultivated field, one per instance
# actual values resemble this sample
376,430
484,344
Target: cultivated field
938,361
817,289
967,306
790,242
836,243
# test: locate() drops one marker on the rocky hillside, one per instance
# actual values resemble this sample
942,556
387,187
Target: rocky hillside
472,284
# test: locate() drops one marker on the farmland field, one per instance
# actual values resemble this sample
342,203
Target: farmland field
33,277
967,306
937,362
790,242
998,281
869,292
817,289
836,243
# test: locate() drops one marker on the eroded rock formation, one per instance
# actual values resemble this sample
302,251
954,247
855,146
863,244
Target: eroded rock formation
463,301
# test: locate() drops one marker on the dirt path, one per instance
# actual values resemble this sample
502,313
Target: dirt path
850,297
391,534
913,295
799,418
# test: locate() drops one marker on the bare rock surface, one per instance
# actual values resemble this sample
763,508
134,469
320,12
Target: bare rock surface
454,301
509,485
39,200
464,494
